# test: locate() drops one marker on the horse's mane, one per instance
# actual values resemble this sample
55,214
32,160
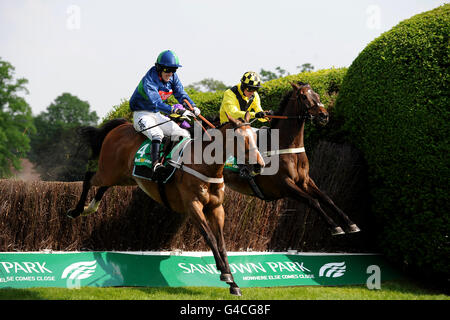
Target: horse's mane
284,103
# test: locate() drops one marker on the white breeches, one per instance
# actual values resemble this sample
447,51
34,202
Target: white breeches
146,119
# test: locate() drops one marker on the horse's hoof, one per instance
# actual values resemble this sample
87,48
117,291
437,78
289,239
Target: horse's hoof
72,213
235,291
227,277
354,228
337,231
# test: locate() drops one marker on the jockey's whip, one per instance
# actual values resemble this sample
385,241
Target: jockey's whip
200,116
154,126
158,124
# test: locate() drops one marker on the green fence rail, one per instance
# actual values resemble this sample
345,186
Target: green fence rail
173,269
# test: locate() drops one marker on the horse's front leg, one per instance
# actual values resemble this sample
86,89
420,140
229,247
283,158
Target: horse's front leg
195,209
324,197
216,219
297,193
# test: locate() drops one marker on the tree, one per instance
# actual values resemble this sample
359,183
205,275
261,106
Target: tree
15,120
306,67
56,148
267,75
208,84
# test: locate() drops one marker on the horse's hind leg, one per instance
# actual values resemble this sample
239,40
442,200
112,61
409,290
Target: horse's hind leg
296,193
93,206
324,197
79,208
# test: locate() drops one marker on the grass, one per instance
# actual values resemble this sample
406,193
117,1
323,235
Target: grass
395,290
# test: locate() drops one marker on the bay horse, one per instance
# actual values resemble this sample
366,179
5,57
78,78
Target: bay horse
292,179
199,195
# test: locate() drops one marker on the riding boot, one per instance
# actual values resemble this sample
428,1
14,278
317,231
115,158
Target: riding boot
157,166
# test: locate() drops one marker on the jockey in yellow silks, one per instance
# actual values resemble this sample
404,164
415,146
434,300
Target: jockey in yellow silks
243,97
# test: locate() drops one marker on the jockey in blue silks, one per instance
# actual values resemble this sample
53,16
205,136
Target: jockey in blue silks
147,103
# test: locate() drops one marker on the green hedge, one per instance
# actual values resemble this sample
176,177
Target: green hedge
395,104
325,82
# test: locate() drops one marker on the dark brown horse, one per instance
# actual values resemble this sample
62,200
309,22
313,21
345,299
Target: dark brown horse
292,179
196,189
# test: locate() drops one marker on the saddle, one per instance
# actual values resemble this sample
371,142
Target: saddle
243,171
169,150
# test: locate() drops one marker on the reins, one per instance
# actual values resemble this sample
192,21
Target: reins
305,115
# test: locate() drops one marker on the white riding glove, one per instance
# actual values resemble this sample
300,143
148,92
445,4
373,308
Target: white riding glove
188,114
196,111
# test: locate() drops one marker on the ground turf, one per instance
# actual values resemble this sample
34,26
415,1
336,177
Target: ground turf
395,290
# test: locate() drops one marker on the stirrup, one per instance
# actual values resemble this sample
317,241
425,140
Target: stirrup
158,166
158,170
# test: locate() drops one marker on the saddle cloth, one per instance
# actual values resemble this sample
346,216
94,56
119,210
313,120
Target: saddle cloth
143,162
231,163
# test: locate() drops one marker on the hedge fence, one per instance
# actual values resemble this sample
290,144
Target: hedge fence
33,216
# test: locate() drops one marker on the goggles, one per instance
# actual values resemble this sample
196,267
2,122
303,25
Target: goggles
251,89
169,69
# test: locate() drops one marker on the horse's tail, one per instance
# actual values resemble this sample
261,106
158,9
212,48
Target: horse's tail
94,136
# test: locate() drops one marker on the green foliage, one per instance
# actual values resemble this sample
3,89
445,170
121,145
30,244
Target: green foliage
325,82
267,75
121,110
15,120
208,84
395,104
56,147
69,111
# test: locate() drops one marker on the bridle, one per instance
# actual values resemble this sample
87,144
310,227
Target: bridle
304,114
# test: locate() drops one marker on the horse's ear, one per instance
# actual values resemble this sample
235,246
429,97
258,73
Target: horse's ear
294,85
247,116
231,119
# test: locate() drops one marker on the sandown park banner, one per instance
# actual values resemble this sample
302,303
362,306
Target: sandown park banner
172,269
